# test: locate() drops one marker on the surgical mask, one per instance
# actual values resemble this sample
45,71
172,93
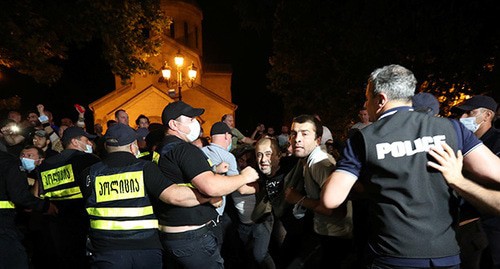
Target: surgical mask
230,146
88,148
470,123
138,152
194,132
28,164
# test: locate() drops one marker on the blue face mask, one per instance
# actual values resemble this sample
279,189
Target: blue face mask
230,146
470,123
28,164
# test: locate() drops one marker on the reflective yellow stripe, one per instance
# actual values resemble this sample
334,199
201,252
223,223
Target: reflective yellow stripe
120,211
156,157
190,185
71,193
123,225
7,204
145,153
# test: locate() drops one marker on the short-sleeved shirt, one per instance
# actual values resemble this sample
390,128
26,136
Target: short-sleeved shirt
237,136
316,171
217,154
355,161
180,162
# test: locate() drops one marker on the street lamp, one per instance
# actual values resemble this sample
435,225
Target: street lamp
166,72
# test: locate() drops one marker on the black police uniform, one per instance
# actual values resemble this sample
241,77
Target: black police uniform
403,195
68,230
123,228
14,190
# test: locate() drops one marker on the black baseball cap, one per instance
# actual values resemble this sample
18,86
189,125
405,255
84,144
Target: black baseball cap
120,135
73,132
175,109
478,101
220,128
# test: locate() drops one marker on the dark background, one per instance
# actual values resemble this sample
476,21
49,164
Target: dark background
87,76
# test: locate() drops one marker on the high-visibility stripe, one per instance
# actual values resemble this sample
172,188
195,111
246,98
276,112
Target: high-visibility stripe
189,185
145,153
120,211
156,157
65,194
7,205
124,225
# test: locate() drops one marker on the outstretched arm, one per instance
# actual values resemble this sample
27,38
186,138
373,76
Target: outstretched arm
450,165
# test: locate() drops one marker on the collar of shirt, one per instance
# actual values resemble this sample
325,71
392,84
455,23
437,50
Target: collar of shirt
120,158
392,111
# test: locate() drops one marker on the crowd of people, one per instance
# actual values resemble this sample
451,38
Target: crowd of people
406,189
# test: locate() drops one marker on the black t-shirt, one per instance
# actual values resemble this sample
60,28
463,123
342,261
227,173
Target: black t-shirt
181,162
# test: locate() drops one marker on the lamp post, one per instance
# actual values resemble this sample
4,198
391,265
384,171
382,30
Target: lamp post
166,72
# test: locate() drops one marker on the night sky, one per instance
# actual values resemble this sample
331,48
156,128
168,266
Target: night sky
87,77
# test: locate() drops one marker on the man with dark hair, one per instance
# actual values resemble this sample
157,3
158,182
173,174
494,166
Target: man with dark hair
58,183
121,116
334,228
14,192
186,233
412,210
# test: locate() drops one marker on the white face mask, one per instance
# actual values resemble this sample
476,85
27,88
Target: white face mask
138,152
194,132
470,123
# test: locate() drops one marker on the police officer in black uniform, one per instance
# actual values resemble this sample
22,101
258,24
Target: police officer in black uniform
58,183
119,193
14,191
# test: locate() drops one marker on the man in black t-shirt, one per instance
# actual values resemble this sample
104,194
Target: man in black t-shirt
185,232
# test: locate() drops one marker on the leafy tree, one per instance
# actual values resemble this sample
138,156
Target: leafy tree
324,51
36,36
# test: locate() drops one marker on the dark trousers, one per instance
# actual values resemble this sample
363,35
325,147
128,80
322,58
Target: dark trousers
193,249
472,241
12,252
68,236
376,265
334,250
127,259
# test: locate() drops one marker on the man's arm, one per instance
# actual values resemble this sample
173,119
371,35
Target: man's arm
293,197
336,188
186,197
483,165
450,165
217,185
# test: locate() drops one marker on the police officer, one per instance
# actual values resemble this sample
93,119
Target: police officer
118,193
412,209
185,232
58,183
14,190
